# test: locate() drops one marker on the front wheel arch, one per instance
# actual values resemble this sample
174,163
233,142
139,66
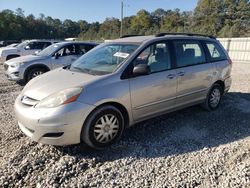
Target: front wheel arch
46,68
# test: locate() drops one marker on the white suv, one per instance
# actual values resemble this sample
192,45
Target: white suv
57,55
25,48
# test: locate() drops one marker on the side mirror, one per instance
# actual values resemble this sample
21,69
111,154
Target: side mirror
141,69
27,47
36,52
56,55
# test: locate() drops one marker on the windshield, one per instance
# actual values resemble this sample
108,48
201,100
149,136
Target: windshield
21,45
49,50
104,59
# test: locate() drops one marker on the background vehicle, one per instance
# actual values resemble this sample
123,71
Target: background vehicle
13,45
120,83
8,42
57,55
25,48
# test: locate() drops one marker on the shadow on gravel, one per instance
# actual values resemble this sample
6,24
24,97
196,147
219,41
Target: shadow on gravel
187,130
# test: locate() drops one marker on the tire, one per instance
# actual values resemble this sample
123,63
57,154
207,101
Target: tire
34,73
97,132
213,99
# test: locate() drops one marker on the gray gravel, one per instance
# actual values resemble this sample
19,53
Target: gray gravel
189,148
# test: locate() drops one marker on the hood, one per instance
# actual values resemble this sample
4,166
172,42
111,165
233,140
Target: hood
55,81
7,50
27,58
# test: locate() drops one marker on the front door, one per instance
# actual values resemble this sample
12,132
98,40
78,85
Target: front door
156,92
65,56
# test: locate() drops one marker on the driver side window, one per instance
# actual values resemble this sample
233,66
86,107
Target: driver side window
156,56
66,51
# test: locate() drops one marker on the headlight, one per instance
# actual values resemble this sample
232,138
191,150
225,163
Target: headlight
16,64
63,97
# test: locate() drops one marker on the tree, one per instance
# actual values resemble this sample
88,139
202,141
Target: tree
230,18
142,22
223,18
110,28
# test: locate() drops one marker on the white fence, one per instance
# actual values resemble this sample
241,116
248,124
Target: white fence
238,48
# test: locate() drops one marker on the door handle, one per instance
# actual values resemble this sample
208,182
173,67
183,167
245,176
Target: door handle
171,76
181,73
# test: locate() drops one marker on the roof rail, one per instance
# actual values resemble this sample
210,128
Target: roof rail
126,36
188,34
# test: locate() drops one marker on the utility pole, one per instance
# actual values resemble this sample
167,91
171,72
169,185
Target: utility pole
121,19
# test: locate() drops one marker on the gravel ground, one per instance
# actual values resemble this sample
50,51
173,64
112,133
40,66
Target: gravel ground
189,148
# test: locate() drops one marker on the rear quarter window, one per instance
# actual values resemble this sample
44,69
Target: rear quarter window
215,52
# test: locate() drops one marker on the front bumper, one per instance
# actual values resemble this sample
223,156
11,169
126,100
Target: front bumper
2,59
12,73
56,126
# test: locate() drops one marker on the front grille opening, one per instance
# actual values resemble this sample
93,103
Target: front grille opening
5,66
53,134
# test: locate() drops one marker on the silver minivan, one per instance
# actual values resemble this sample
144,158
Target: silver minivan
120,83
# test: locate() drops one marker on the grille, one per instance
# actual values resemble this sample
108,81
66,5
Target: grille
5,66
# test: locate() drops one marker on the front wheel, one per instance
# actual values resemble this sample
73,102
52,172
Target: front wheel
34,73
213,98
103,127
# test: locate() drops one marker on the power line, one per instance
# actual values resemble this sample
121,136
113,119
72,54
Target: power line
121,30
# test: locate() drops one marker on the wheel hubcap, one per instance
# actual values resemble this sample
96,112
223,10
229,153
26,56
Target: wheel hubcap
37,74
215,97
106,128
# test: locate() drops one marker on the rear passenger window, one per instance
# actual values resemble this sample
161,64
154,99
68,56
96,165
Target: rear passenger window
46,44
215,51
188,53
83,48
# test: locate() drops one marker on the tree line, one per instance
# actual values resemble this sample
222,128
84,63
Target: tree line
222,18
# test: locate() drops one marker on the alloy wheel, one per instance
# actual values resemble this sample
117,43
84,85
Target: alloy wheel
37,73
215,97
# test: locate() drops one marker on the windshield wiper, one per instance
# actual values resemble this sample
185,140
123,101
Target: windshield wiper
76,68
81,70
67,66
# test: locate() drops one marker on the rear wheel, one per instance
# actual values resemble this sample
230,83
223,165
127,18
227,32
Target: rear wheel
103,127
213,99
34,73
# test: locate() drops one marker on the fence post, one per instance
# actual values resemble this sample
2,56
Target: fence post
228,44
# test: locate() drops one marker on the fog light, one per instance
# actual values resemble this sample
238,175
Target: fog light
53,134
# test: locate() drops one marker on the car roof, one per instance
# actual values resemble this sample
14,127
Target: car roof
141,39
42,40
77,42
